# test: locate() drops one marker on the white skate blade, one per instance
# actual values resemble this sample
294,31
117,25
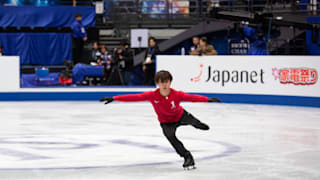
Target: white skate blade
189,168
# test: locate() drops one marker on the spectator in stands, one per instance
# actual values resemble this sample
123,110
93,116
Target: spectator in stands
104,59
1,49
105,55
79,37
126,62
95,52
149,63
195,44
204,48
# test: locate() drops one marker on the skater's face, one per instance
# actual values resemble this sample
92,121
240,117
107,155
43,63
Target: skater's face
164,85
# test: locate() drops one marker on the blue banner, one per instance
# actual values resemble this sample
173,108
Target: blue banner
32,2
56,16
38,48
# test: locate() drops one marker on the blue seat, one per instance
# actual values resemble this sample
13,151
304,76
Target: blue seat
42,75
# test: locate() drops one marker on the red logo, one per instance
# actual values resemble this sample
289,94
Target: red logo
197,78
296,76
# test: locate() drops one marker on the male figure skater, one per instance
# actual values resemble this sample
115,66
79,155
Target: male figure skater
166,103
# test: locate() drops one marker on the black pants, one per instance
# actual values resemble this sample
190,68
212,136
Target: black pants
78,50
169,130
149,74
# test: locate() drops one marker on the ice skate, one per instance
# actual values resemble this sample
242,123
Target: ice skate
188,162
202,126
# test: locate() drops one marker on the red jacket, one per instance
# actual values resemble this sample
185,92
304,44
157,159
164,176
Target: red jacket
168,108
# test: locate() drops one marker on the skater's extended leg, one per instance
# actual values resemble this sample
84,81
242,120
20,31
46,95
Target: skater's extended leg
169,130
188,118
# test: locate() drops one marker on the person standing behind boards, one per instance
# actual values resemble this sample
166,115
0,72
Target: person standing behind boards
79,37
149,62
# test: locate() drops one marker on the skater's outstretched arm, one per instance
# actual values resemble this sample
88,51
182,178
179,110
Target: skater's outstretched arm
127,98
197,98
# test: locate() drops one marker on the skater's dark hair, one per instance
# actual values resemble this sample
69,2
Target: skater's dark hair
162,76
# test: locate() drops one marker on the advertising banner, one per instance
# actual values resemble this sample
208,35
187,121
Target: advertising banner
160,7
260,75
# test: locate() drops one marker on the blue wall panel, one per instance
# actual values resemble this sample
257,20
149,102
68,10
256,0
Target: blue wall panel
227,98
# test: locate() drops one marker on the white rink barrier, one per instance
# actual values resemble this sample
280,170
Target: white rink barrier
264,75
9,73
281,80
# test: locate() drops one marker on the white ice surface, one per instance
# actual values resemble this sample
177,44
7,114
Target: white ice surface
88,140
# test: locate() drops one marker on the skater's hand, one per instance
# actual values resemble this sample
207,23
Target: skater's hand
107,99
214,100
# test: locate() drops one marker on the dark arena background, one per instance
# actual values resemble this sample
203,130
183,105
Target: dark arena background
259,57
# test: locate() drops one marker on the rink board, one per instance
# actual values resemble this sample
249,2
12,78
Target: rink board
226,98
261,75
258,83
